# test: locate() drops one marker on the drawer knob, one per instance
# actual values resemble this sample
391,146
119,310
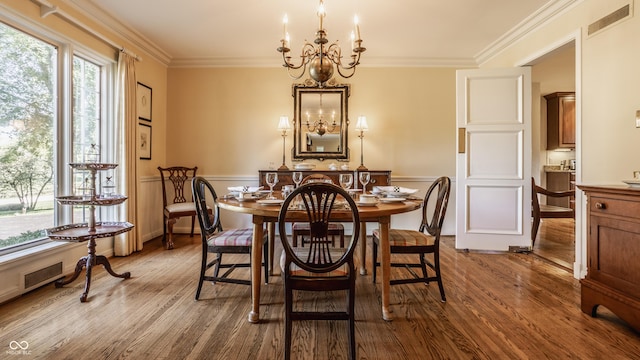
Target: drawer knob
601,206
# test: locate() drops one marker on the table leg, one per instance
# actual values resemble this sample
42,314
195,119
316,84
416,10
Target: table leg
363,248
385,266
256,268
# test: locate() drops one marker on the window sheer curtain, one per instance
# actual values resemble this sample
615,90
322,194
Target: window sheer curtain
127,154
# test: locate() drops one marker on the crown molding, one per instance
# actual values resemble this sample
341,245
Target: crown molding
273,62
89,10
550,11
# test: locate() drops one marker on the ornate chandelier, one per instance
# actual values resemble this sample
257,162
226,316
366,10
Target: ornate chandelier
321,126
321,57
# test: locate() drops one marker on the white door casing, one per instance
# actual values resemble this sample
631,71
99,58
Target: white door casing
493,164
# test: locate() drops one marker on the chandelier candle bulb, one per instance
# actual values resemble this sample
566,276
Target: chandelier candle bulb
285,20
353,41
355,21
321,13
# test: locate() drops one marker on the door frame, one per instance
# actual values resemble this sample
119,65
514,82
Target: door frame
579,265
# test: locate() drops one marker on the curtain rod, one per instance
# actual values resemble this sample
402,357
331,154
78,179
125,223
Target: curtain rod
46,9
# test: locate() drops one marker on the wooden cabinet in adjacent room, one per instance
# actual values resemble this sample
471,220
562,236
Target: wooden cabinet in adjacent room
561,181
613,249
561,120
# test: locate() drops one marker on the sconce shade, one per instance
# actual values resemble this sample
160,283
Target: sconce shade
361,124
284,123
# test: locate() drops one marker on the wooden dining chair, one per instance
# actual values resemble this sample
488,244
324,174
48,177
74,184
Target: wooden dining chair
174,202
217,241
319,267
542,211
300,230
425,240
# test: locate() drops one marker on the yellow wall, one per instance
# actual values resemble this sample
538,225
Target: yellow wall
225,119
609,90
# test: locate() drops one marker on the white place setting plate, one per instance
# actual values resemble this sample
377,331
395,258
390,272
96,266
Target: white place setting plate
250,198
394,191
393,199
359,203
270,201
632,183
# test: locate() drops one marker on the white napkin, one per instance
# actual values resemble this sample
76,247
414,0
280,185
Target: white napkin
250,189
390,190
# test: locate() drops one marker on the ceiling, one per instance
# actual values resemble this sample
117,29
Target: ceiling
247,32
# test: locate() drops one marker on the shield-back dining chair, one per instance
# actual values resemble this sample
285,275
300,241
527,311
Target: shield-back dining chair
299,230
425,240
319,267
217,241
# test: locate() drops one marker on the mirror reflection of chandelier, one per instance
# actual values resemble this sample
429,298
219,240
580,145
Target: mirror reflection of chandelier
320,57
321,126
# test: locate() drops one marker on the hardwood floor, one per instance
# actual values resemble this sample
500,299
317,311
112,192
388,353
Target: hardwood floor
499,306
556,242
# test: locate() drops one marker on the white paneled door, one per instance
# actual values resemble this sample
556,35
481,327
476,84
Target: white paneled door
493,184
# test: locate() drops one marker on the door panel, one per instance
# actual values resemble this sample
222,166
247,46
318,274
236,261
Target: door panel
484,147
493,184
500,219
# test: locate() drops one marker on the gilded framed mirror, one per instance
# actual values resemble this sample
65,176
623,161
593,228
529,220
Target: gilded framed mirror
320,122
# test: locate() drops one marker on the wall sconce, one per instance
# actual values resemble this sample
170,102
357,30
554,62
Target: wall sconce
283,126
362,126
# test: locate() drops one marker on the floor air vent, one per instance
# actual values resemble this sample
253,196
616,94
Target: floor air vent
609,20
39,276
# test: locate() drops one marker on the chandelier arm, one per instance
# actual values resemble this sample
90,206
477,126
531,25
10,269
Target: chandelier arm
334,53
344,75
306,54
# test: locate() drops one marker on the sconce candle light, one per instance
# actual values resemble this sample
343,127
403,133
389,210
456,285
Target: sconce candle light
283,126
362,126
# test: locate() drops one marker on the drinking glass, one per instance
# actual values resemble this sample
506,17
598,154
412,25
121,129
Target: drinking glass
364,180
272,180
346,180
297,178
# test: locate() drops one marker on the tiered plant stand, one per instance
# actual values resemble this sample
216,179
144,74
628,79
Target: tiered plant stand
91,230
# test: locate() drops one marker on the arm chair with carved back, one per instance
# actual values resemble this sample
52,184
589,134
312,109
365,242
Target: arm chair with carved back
174,202
542,211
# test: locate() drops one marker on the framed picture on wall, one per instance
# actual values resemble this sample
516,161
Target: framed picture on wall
144,141
143,106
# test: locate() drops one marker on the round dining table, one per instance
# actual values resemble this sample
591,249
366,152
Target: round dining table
268,214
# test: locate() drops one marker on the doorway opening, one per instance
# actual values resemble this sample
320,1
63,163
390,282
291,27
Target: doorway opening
553,166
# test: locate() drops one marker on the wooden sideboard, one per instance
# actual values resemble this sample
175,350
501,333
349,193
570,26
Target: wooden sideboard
378,177
613,252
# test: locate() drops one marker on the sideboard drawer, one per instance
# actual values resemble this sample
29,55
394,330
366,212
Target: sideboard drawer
599,205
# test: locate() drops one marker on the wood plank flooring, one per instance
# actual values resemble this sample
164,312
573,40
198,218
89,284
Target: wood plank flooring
556,242
499,306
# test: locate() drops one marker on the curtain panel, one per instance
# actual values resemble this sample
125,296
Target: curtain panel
127,154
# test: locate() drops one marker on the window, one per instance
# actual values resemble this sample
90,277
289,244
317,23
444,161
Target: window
37,138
